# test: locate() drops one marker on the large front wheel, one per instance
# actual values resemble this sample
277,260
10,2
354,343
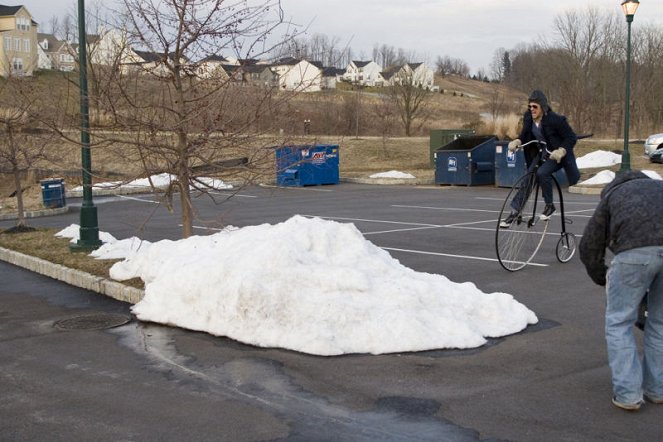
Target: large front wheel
517,243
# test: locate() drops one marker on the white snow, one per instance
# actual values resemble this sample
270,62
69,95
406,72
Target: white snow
598,158
74,230
603,177
309,285
159,181
652,174
393,174
606,176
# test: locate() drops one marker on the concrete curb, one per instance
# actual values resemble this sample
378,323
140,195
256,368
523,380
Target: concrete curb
35,213
586,190
73,277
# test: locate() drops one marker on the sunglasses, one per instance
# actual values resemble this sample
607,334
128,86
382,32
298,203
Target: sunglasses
533,106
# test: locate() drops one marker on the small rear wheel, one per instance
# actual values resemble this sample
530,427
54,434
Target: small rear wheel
566,247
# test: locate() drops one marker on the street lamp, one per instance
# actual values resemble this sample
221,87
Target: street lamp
629,7
89,230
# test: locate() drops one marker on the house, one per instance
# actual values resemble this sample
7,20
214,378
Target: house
330,76
297,75
44,62
61,54
422,75
212,67
155,63
364,73
111,48
260,75
415,74
18,52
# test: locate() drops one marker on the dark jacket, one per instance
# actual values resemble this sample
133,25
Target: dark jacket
556,131
629,215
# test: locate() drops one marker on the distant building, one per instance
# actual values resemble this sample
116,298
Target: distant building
60,53
364,73
297,75
18,52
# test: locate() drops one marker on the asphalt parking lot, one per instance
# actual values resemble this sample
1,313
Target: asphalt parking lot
550,382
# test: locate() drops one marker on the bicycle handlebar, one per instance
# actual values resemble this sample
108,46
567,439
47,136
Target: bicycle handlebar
543,143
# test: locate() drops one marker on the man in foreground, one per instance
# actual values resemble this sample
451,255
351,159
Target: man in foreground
629,222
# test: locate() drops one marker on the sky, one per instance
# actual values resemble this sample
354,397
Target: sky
471,30
311,285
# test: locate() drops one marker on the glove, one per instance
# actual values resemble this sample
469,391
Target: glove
558,154
514,145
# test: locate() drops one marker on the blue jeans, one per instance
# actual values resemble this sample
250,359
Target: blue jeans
630,275
545,172
544,176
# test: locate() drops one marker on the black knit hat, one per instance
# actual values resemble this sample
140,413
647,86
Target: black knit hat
540,98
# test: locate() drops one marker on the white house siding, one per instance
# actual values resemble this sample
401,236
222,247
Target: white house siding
302,76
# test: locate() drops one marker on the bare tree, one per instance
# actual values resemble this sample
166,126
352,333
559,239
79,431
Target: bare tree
385,113
500,66
409,98
184,124
451,66
22,143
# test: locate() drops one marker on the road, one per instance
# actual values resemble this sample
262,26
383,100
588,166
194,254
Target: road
143,381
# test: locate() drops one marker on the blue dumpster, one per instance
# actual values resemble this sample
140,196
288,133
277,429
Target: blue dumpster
509,166
308,165
468,160
52,192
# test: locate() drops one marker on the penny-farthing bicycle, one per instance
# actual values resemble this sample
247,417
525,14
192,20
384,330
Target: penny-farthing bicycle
516,244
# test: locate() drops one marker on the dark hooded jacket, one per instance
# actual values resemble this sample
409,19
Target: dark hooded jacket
556,130
629,215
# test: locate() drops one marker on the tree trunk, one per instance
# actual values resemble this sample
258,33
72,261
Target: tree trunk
20,220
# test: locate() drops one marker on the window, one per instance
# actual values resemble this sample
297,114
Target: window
26,45
8,43
17,65
22,23
17,44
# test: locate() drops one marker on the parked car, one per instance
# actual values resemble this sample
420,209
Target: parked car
653,142
657,156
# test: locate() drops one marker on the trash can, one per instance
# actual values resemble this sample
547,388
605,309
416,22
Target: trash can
307,165
441,137
509,166
52,193
468,160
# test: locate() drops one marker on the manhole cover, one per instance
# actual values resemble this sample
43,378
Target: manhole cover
98,321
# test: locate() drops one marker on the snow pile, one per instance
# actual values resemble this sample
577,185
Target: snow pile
159,181
313,286
603,177
652,174
74,233
598,158
606,176
393,174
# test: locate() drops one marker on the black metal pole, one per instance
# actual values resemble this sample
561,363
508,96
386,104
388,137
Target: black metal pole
626,156
89,230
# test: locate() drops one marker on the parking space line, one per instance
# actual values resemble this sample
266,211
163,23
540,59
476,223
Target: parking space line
478,258
133,198
455,209
234,195
586,203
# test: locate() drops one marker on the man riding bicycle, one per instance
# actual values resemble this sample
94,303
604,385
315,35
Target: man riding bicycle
557,138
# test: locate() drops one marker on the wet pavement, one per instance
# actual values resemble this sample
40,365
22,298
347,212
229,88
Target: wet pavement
141,381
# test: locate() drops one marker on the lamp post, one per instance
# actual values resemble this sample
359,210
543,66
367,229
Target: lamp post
629,7
89,229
